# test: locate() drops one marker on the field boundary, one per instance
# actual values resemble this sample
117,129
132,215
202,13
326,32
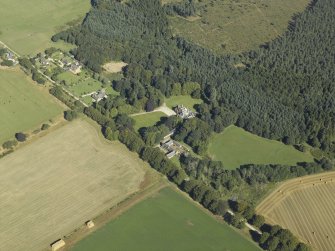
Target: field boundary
148,189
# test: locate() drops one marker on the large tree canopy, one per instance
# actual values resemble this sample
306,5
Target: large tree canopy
286,91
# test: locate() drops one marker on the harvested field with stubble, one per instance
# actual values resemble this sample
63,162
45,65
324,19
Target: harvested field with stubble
306,207
51,187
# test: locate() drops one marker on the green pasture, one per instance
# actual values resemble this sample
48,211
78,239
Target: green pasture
83,84
235,26
148,119
235,147
27,26
22,105
165,222
185,100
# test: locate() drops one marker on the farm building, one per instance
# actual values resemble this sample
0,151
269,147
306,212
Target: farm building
57,245
99,95
171,154
167,144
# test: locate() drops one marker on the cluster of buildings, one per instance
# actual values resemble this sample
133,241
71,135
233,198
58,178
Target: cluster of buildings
68,63
171,147
184,112
168,145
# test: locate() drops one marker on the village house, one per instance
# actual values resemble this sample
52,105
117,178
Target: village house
184,112
44,60
99,95
75,67
11,57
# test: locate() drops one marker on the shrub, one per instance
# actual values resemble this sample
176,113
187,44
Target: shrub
7,63
70,115
45,127
21,137
9,144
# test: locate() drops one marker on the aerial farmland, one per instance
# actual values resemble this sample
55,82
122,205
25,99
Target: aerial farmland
305,206
167,125
51,187
24,106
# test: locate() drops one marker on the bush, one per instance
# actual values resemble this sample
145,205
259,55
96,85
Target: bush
21,137
70,115
9,144
38,78
257,220
7,63
45,127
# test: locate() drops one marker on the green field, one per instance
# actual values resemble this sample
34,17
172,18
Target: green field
27,26
187,101
235,147
237,26
165,222
146,120
22,105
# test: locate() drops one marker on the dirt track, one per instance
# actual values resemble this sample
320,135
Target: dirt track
306,207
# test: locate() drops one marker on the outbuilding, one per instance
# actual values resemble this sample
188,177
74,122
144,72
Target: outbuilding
171,154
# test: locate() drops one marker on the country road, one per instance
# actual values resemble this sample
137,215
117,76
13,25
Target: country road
48,78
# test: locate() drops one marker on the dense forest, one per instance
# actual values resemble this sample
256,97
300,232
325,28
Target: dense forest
285,91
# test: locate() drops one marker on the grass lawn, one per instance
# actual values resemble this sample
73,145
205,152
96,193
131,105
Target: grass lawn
236,147
148,119
83,84
165,222
27,26
237,26
22,105
187,101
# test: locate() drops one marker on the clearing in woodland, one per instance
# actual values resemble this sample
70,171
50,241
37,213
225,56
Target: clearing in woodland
27,26
237,26
114,67
147,119
51,187
23,105
166,221
184,100
306,207
235,147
